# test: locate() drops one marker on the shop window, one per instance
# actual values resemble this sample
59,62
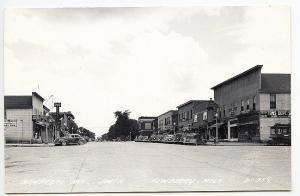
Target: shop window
272,101
248,104
242,105
254,103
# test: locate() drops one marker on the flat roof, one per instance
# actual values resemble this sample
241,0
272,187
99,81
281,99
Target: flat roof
191,101
168,112
255,68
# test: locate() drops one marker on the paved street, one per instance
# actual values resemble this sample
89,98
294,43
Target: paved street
130,166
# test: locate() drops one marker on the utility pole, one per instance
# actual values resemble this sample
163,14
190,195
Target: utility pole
57,105
217,131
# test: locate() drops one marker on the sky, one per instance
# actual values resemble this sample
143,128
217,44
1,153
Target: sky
148,60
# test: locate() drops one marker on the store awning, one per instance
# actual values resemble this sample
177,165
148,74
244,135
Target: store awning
247,123
218,124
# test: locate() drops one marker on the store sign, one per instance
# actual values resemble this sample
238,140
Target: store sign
57,104
10,123
275,113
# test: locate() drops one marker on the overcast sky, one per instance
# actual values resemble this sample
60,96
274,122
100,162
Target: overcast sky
148,60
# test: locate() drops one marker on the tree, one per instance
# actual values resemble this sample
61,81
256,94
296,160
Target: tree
123,127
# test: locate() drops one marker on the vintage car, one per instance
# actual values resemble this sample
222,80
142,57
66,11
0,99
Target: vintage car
178,138
141,138
193,138
160,138
169,138
70,139
153,138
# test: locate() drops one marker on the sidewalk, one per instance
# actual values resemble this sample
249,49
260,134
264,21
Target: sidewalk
30,145
236,144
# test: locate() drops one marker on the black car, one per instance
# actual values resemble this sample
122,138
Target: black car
70,139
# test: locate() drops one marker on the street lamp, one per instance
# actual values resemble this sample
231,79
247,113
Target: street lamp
174,124
217,131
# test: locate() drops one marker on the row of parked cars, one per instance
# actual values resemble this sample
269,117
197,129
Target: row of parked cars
179,138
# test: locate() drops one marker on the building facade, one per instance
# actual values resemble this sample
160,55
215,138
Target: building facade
147,125
168,122
25,119
251,102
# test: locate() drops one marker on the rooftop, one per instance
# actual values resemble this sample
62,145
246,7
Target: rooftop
168,112
17,102
275,83
190,102
253,69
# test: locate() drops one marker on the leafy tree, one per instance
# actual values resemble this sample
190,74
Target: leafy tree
123,127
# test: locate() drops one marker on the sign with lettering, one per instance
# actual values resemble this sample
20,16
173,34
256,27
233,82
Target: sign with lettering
275,113
10,123
57,104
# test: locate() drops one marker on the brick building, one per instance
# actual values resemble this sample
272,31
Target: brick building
168,122
194,115
147,125
250,103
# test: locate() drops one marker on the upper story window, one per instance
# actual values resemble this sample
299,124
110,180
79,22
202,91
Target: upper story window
272,101
254,103
242,105
248,104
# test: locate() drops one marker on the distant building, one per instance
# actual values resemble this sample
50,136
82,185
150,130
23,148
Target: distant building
196,116
168,122
251,103
147,125
25,119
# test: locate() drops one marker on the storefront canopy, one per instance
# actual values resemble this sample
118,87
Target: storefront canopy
218,124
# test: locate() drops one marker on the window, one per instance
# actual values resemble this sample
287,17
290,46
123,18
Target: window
168,121
254,103
248,104
242,105
272,101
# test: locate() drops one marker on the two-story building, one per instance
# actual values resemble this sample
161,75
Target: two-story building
26,119
147,125
191,114
204,118
250,103
168,122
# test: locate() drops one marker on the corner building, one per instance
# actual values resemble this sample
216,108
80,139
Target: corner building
250,103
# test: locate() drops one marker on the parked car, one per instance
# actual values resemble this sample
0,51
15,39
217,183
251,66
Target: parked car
160,138
178,138
153,138
169,138
70,139
193,138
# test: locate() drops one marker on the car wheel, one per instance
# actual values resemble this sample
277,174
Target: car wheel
63,143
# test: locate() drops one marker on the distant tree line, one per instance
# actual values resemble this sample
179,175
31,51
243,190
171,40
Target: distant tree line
124,127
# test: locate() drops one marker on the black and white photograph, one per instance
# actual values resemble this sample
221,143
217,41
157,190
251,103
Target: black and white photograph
152,99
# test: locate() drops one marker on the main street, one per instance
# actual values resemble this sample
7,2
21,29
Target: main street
131,167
